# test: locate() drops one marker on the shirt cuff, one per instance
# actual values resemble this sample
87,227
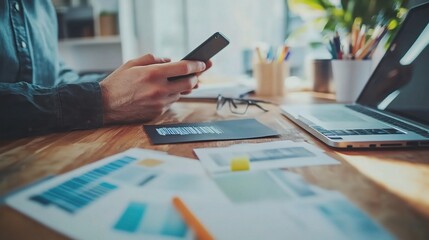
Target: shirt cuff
81,106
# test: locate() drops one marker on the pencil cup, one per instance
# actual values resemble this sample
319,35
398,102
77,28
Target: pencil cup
320,72
270,77
350,77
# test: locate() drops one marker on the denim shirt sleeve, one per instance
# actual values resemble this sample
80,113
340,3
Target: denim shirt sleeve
32,110
39,94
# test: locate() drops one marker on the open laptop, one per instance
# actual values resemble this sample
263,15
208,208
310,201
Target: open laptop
393,108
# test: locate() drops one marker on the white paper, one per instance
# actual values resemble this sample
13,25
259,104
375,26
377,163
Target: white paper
93,210
321,217
128,196
280,154
264,187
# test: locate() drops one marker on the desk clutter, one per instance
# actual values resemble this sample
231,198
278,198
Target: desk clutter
146,194
270,70
359,44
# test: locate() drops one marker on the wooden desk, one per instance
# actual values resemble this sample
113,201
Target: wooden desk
390,185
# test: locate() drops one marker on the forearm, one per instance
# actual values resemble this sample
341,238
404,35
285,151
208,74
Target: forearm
30,110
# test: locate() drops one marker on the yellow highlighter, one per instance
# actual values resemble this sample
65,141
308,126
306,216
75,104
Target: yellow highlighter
191,220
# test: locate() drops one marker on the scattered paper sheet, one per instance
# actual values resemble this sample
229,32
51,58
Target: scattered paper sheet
101,200
321,217
129,196
279,154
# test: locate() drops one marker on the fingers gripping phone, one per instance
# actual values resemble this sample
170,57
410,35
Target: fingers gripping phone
205,51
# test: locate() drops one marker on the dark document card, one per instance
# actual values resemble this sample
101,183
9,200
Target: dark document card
207,131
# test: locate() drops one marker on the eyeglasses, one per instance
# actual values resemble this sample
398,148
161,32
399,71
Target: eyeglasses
239,105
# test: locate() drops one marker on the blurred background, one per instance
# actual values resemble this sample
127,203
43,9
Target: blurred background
99,35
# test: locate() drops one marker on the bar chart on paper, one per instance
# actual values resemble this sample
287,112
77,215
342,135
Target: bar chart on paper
78,192
151,219
130,190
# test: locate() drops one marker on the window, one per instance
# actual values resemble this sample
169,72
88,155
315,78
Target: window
172,28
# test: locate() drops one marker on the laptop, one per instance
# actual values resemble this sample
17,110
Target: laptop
393,108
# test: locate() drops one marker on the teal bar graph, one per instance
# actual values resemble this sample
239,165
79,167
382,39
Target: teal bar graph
131,218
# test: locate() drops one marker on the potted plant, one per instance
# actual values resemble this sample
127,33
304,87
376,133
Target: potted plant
329,16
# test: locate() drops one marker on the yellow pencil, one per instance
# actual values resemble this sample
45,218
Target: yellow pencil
355,33
360,39
192,221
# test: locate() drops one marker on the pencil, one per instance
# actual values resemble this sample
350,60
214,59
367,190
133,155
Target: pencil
361,53
370,44
283,53
333,49
192,221
258,52
377,41
355,33
270,54
287,56
337,42
360,39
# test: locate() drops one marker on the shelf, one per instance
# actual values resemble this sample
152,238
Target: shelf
90,41
92,53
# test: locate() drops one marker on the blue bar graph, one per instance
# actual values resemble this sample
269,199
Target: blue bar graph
76,193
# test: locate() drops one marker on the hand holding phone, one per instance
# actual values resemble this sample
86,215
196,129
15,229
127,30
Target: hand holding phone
205,50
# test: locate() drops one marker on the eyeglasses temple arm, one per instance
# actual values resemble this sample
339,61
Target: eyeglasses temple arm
259,106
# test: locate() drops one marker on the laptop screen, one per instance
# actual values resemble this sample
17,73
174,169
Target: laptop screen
400,83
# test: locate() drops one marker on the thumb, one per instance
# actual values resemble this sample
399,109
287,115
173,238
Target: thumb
146,60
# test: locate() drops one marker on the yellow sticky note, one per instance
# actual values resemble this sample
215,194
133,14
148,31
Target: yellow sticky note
241,163
148,162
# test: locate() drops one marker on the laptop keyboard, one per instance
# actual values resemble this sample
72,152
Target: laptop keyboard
348,132
388,120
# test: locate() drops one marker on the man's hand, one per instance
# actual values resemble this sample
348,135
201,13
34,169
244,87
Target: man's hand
139,89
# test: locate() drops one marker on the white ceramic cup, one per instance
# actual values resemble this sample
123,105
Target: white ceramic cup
350,77
270,77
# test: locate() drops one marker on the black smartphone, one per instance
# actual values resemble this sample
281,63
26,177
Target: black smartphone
205,50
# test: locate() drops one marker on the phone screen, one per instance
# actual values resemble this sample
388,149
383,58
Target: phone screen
206,50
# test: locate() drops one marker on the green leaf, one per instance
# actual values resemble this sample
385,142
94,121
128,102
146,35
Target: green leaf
372,13
326,4
298,5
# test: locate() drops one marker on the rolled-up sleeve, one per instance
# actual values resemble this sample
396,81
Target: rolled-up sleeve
29,109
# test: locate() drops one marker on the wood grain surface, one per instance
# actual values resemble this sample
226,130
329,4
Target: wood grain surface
392,186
